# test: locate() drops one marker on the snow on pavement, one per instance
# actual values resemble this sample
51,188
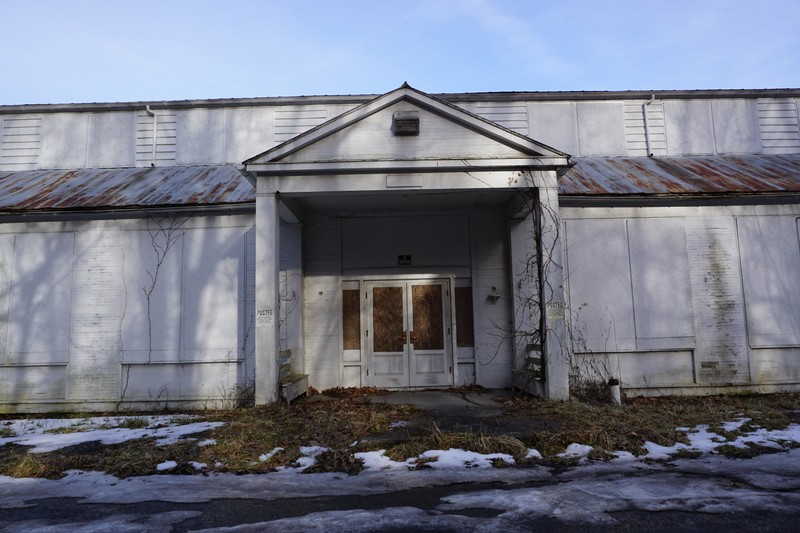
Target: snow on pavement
587,493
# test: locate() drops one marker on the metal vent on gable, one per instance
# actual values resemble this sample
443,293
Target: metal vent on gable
405,123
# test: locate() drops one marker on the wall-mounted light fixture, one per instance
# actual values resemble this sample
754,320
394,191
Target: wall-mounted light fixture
493,295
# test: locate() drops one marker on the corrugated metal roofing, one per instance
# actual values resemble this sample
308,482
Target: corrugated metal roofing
94,188
207,185
744,174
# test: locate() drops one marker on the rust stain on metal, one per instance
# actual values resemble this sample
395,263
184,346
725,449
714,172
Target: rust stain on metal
743,174
123,187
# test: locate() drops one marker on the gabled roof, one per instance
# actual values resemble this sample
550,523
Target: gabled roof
309,147
721,174
98,188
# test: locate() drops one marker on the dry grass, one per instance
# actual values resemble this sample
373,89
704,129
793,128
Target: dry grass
608,428
466,440
344,417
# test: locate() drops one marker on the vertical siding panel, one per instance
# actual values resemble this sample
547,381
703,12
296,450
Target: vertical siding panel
6,280
94,367
493,321
322,300
721,354
247,363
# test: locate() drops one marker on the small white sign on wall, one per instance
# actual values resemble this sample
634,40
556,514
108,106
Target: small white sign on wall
264,317
555,310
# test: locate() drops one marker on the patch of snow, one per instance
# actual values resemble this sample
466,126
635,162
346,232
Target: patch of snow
576,450
376,460
458,458
660,453
625,457
267,456
207,442
198,466
734,425
106,430
166,465
400,424
533,454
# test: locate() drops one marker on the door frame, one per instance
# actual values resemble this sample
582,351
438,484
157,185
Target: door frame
365,282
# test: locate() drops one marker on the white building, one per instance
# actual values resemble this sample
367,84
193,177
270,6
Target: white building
188,253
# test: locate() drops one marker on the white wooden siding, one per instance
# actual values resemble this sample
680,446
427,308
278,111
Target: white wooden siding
741,263
69,293
721,354
512,115
370,243
635,131
493,319
20,141
601,128
780,129
97,305
166,138
291,121
152,274
770,255
322,300
662,299
555,124
372,139
41,294
689,127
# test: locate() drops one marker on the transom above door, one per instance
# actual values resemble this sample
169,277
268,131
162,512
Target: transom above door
408,333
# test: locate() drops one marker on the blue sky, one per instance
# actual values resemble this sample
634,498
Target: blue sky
109,50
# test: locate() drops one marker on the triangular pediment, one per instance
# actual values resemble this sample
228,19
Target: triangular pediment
368,134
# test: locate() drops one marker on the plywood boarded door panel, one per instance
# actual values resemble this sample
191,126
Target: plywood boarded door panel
430,360
388,337
408,334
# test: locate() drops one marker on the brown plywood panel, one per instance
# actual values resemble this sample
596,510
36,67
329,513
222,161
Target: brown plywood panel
428,316
465,335
351,319
387,319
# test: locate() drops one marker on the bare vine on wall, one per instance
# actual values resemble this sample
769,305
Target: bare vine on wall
531,331
165,232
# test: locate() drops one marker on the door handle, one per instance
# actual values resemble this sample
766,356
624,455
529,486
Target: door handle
413,338
403,337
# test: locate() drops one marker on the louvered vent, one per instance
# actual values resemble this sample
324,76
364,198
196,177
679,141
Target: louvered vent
513,116
20,141
291,121
165,138
778,119
634,128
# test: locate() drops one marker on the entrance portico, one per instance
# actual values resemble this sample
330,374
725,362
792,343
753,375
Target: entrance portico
429,246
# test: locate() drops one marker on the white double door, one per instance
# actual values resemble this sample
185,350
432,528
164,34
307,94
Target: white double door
409,333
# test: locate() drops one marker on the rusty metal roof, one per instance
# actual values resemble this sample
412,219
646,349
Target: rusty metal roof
96,188
741,174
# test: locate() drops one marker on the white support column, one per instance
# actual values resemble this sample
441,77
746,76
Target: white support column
556,347
267,293
525,290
